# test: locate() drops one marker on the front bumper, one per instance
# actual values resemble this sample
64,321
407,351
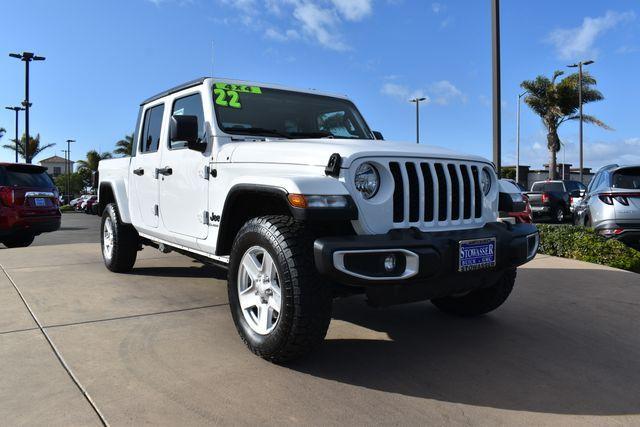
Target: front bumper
432,258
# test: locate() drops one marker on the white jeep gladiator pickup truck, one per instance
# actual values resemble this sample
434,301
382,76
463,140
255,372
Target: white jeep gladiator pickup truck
292,192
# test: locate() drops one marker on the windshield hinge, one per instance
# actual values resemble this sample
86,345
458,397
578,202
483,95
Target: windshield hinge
207,172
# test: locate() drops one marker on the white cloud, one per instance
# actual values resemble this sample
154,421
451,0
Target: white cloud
281,36
320,24
578,42
437,7
402,92
353,10
444,92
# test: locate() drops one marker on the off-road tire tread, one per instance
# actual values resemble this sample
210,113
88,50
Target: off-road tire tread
480,301
125,242
311,296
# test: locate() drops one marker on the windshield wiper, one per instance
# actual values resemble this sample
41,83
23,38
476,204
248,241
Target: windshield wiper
318,134
259,131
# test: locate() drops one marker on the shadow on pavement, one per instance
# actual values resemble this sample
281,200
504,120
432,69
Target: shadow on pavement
544,351
197,270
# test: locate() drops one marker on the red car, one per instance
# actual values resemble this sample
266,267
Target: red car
29,204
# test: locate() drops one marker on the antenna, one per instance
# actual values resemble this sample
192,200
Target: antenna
212,56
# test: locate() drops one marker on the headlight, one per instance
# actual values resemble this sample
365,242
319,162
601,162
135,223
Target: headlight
367,180
485,181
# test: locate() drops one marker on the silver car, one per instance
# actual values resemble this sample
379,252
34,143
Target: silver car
612,204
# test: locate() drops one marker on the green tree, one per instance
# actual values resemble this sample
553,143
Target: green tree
124,146
91,162
2,131
35,147
76,183
557,102
508,173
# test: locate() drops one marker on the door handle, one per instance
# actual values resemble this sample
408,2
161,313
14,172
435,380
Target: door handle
139,171
164,171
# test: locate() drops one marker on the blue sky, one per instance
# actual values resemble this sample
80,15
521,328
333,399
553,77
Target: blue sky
103,58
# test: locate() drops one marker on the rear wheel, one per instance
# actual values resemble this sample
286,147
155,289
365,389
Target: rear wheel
280,305
480,301
18,241
558,215
119,241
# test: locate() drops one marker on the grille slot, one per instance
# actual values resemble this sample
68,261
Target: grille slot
435,191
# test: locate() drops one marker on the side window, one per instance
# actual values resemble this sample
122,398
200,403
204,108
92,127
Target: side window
188,106
151,129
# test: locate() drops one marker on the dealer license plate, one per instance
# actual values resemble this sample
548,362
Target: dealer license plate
477,254
40,201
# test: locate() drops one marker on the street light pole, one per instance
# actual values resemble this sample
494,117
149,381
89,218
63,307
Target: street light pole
69,168
518,137
497,119
26,57
579,65
17,110
417,101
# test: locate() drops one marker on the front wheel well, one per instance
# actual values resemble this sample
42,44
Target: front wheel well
105,196
240,207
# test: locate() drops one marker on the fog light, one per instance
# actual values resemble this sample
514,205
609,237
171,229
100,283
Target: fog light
390,262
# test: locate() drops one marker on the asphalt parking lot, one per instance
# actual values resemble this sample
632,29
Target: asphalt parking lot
158,346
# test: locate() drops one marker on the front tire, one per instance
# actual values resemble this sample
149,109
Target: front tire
480,301
280,305
119,241
21,241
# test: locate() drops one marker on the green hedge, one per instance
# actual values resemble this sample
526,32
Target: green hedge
584,244
66,208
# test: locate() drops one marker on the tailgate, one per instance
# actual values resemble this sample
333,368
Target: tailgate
535,199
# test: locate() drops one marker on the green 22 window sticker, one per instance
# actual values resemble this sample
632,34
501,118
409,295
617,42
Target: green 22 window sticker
228,95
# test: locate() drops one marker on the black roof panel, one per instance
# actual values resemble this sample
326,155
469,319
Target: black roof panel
175,89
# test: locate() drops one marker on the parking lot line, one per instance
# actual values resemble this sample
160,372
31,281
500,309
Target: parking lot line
57,353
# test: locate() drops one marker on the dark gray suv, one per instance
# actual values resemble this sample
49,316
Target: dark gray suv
612,204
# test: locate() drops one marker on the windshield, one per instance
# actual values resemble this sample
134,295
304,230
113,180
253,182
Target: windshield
252,110
628,179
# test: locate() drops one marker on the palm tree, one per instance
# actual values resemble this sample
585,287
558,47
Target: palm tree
124,146
557,102
92,160
34,147
2,131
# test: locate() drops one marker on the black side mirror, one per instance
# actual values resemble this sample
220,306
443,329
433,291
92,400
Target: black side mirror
576,193
185,128
378,135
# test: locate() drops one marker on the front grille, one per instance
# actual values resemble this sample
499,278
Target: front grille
430,191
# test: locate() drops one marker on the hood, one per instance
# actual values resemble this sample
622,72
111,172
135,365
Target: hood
316,152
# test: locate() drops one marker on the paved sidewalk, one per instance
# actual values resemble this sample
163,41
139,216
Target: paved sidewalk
158,346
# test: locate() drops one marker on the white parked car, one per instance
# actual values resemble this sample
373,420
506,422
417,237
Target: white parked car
294,193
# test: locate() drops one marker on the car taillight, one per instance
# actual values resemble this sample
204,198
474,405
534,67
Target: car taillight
608,198
545,198
570,200
7,196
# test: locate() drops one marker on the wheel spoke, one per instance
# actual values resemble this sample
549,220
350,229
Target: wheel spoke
267,266
252,266
264,317
248,298
275,299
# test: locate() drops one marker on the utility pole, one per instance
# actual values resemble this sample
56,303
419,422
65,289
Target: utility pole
518,137
495,48
69,141
17,110
579,65
26,57
417,101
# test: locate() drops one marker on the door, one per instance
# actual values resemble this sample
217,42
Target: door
184,182
142,178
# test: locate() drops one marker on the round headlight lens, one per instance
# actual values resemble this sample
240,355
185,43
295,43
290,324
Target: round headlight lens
485,181
367,180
